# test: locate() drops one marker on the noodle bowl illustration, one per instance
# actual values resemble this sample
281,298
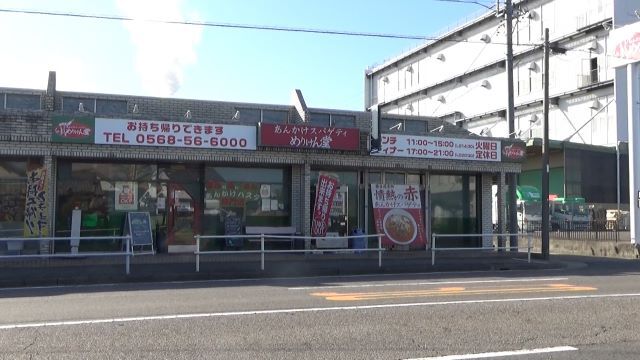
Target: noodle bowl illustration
400,226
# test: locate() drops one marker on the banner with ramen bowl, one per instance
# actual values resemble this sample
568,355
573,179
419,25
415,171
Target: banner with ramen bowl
397,211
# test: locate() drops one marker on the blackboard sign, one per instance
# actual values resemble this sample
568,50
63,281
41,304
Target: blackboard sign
139,227
233,226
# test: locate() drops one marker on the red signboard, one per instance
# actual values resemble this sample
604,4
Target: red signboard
325,191
309,137
397,211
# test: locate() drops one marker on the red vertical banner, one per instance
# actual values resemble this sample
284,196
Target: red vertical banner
397,211
325,192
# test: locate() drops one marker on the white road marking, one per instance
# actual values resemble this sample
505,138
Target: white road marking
303,310
500,353
428,283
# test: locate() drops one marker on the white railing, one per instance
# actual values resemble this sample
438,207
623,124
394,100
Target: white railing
435,248
274,238
127,252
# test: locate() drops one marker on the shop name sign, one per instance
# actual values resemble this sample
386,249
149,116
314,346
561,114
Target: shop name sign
73,129
104,131
309,137
441,148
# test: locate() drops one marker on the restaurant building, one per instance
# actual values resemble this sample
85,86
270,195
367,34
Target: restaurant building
72,160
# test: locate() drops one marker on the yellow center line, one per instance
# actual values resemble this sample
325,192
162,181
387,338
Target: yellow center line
447,291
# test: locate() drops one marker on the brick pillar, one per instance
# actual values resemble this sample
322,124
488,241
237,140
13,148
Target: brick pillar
50,166
297,181
502,205
48,100
306,204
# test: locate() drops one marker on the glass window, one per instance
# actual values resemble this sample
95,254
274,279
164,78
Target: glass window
454,207
343,121
248,196
394,178
72,104
13,186
275,116
111,171
395,125
320,119
23,101
250,116
415,126
110,106
375,178
413,179
105,192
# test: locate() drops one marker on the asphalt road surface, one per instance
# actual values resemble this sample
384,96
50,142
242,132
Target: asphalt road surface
585,311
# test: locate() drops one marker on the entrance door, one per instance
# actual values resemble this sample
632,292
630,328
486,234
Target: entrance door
339,220
183,218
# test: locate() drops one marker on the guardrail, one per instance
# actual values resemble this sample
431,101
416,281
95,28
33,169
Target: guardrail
127,253
263,238
434,248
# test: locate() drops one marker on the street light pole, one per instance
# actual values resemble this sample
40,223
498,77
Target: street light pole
511,177
545,152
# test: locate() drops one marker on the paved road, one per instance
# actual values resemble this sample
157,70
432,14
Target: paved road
585,311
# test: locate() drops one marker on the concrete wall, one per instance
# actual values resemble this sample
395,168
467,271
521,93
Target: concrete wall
585,247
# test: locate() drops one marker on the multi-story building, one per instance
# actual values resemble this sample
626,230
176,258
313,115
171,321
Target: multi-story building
460,77
84,161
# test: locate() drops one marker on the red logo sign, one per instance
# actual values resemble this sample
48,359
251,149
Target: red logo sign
309,137
72,130
629,48
513,152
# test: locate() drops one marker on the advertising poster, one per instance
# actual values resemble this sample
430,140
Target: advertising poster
126,196
397,211
325,192
35,210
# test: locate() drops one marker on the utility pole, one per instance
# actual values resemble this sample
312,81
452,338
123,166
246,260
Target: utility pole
545,151
511,177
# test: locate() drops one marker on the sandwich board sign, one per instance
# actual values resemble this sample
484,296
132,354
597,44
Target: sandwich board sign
139,228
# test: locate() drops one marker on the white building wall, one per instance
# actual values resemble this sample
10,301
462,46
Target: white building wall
583,68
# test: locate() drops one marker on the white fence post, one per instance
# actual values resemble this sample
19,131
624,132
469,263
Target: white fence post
198,253
529,247
433,249
128,261
262,252
379,250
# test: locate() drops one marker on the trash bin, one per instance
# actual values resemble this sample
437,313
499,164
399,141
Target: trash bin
358,242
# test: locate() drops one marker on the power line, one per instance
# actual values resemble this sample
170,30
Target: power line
249,27
468,2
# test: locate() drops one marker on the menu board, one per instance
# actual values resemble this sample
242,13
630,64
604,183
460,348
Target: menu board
139,227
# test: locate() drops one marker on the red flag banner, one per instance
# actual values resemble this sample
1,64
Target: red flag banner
325,192
397,211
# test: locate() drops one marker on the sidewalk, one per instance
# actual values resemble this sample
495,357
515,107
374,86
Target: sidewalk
170,267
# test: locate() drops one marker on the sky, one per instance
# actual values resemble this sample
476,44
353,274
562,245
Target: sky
212,63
